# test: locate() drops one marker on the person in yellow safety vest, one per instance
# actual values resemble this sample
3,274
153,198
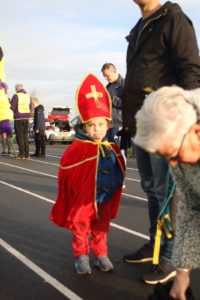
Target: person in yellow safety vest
6,115
2,71
21,106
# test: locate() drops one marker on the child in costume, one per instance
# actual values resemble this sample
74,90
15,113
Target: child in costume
90,179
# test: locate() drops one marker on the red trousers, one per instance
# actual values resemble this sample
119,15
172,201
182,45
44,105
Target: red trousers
88,234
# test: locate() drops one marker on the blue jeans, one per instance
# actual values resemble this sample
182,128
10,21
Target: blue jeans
153,172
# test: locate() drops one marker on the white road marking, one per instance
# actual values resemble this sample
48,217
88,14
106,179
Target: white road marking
130,231
44,162
135,197
51,201
132,179
133,169
47,278
53,176
26,192
28,170
59,157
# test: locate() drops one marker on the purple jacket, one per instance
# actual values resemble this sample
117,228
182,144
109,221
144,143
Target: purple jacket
14,107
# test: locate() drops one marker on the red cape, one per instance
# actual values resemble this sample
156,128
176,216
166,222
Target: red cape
76,199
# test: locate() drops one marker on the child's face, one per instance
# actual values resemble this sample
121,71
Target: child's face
97,128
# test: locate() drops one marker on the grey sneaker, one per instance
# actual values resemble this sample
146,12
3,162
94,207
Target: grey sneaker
160,273
103,263
82,265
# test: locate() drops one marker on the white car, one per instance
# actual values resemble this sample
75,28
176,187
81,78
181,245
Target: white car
56,134
62,136
49,129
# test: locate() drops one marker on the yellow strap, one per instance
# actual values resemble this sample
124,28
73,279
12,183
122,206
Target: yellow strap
156,251
165,220
2,70
148,89
100,144
161,226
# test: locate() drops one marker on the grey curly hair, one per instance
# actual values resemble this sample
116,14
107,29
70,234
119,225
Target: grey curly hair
167,113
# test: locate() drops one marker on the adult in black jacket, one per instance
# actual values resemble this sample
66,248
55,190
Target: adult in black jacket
39,128
115,86
162,51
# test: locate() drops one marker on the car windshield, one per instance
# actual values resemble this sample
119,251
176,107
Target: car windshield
60,111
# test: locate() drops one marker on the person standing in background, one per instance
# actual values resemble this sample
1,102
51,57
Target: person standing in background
115,86
2,70
21,106
162,50
39,128
6,115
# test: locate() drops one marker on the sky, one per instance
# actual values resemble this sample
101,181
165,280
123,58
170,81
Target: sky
50,46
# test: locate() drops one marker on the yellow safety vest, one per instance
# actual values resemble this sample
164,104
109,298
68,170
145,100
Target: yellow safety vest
2,70
5,111
23,103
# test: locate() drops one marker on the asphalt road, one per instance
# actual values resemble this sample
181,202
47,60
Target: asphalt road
36,256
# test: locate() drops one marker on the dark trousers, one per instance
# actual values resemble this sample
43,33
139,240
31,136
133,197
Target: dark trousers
21,131
40,143
153,171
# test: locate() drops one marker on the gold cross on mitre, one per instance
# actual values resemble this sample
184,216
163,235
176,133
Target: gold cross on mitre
94,94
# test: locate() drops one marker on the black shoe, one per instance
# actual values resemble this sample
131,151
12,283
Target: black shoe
143,255
3,153
160,273
35,155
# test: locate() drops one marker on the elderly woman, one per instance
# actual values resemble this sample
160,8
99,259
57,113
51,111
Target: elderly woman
169,124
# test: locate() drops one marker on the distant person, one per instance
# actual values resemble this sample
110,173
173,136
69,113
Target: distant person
21,106
6,115
169,124
90,179
2,69
39,128
162,50
115,86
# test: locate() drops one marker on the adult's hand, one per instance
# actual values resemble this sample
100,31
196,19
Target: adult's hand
180,285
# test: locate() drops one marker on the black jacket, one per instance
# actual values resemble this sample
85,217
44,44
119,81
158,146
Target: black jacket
163,52
115,91
39,118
